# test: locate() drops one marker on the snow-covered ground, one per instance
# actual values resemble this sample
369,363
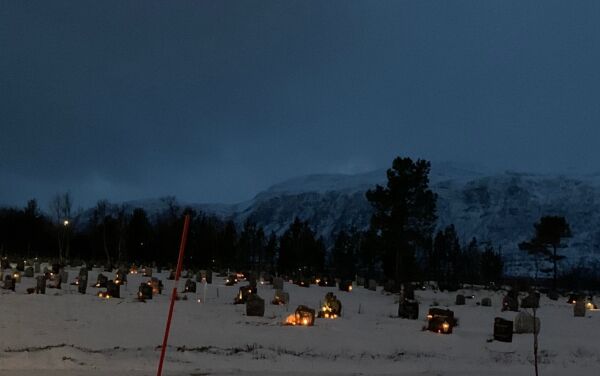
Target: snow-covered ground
65,333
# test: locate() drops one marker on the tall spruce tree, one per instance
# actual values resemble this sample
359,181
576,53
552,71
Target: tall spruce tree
404,216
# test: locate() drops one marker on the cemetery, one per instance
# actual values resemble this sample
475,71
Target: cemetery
58,313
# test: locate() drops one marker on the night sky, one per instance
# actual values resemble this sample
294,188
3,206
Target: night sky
213,101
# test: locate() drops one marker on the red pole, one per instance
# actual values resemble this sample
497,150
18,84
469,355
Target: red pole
186,226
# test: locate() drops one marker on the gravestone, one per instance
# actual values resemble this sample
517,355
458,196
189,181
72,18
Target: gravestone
252,280
64,276
82,282
332,307
281,297
524,323
113,289
190,286
171,275
4,264
486,302
372,285
55,268
345,285
531,301
29,272
156,285
278,283
145,291
20,266
101,281
36,267
552,295
231,280
408,309
408,291
243,294
208,276
360,281
9,283
147,271
255,306
510,302
460,299
579,308
304,316
503,330
441,320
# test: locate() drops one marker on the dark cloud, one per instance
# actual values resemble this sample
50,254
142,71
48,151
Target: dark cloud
213,101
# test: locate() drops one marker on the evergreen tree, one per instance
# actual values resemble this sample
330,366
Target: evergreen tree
549,232
404,216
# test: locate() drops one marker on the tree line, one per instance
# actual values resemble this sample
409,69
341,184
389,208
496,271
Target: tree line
402,242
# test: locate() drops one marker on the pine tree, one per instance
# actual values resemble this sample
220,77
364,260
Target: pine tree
404,216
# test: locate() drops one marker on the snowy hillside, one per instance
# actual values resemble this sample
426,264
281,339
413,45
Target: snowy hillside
498,208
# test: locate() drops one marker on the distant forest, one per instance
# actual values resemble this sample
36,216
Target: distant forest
400,245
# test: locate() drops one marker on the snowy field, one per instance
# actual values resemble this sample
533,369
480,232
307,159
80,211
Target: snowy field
65,333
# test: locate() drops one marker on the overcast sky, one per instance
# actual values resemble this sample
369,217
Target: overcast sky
213,101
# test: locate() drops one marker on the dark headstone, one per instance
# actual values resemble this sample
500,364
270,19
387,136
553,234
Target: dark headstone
531,301
372,285
101,281
255,306
243,294
40,284
55,268
208,276
579,308
21,266
190,286
29,272
486,302
9,283
408,291
281,297
113,289
36,267
82,282
510,302
171,275
408,309
4,264
552,295
503,330
345,285
278,283
145,292
460,299
440,320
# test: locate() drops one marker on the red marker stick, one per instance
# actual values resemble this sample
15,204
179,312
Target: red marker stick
186,226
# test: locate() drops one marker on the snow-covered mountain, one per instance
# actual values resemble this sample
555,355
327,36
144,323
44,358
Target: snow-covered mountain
499,208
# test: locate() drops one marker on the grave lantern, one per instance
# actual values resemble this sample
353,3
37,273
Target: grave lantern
303,316
331,308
